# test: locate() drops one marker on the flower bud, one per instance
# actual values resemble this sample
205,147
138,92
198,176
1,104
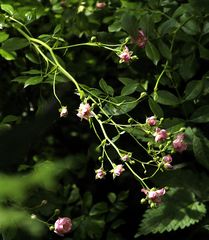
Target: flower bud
63,111
62,226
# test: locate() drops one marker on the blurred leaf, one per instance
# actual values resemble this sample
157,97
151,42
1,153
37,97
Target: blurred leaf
3,36
193,89
33,81
7,55
112,197
16,43
201,149
155,108
164,49
152,52
129,24
201,115
7,8
98,208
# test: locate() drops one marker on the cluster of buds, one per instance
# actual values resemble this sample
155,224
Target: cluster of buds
153,196
84,111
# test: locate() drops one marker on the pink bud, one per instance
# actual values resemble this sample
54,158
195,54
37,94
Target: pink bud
100,5
167,159
160,135
125,56
84,111
141,39
62,226
178,144
154,195
151,121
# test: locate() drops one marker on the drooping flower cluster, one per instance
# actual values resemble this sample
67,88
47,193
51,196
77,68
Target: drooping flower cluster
84,111
125,56
62,226
178,144
154,195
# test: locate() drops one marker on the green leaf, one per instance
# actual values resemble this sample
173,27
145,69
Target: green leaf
120,105
167,26
10,118
115,26
33,81
99,208
169,216
173,124
191,27
129,89
204,52
129,24
201,149
112,197
201,115
16,43
7,55
32,72
106,88
155,108
193,90
164,49
167,98
3,36
7,8
152,52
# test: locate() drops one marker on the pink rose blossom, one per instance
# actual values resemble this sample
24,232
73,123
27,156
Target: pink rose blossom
151,121
117,171
100,5
62,226
141,39
178,144
160,135
100,173
154,195
125,56
84,111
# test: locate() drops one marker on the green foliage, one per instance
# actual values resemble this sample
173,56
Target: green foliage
171,216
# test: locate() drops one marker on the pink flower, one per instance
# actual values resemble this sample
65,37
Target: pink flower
154,195
178,144
125,56
141,39
100,5
117,171
160,135
167,161
100,173
125,158
151,121
84,111
62,226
